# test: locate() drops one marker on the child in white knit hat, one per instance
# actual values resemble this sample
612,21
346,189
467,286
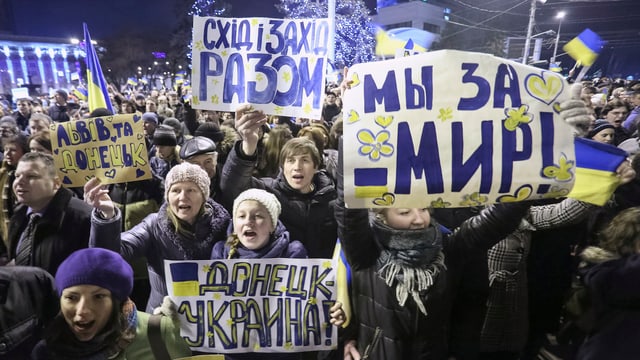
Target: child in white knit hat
256,231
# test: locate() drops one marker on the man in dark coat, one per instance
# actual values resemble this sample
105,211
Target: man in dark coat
58,110
64,221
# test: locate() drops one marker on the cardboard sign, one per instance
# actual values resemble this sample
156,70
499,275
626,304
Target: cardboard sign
111,148
278,65
263,305
454,129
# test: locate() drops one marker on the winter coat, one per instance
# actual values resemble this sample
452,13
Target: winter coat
393,331
58,113
309,218
156,239
64,228
506,322
29,302
140,348
279,246
615,298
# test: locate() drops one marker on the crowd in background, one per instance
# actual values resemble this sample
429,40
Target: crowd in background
473,283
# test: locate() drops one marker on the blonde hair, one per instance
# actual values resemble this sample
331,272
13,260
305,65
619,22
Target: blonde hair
622,235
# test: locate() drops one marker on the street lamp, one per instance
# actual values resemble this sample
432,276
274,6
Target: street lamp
560,15
532,20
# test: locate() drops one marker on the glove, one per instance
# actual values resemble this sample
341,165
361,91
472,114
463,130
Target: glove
575,113
168,308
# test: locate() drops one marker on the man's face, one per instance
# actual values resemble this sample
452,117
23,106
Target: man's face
173,99
635,100
207,162
37,125
151,106
140,101
330,99
34,186
149,128
12,154
299,171
24,107
59,99
616,116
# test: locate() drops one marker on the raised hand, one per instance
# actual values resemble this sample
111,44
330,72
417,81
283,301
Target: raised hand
248,123
97,195
575,112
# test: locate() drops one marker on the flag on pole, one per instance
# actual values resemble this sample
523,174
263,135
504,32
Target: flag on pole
585,47
80,93
96,84
132,81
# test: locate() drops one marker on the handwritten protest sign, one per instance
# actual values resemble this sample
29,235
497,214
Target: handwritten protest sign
262,305
111,148
454,129
278,65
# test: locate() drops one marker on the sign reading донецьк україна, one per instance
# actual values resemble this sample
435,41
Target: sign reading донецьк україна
254,305
277,65
454,129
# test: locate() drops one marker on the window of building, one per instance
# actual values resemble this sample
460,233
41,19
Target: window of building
431,28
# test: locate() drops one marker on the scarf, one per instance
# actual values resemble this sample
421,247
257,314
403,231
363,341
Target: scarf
64,345
276,247
410,260
198,239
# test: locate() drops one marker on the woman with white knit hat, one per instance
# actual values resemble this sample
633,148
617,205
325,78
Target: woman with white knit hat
186,227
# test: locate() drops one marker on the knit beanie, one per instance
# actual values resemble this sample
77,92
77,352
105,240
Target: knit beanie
165,135
210,130
598,126
187,172
99,267
267,199
150,117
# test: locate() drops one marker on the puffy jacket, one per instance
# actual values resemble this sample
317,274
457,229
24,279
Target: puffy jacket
156,239
403,332
28,302
309,218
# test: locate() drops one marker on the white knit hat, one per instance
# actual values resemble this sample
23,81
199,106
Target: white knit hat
267,199
187,172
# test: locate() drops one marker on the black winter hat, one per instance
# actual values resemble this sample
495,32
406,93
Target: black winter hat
165,135
196,146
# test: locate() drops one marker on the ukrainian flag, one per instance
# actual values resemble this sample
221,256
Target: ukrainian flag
80,93
132,81
343,281
585,48
184,278
596,165
96,84
370,182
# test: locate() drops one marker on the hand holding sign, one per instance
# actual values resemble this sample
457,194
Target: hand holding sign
575,112
248,123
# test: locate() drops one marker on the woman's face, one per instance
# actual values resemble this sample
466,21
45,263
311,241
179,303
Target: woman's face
252,223
604,136
407,219
185,200
35,146
86,309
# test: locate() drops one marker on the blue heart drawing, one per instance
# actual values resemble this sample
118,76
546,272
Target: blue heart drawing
110,174
114,138
66,180
139,173
136,118
56,151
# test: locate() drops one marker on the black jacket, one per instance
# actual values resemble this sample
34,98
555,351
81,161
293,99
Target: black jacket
64,228
308,217
28,302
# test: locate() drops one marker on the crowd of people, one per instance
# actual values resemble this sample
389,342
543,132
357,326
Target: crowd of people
78,264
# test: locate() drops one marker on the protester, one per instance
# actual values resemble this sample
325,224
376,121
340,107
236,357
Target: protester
186,227
257,231
49,224
39,123
307,195
29,303
610,272
14,148
97,320
602,131
167,155
40,141
58,110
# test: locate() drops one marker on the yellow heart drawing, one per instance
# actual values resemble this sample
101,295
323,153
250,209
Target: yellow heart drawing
353,116
355,80
386,199
556,108
384,121
544,89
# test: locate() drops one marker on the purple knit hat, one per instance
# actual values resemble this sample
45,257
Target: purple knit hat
99,267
